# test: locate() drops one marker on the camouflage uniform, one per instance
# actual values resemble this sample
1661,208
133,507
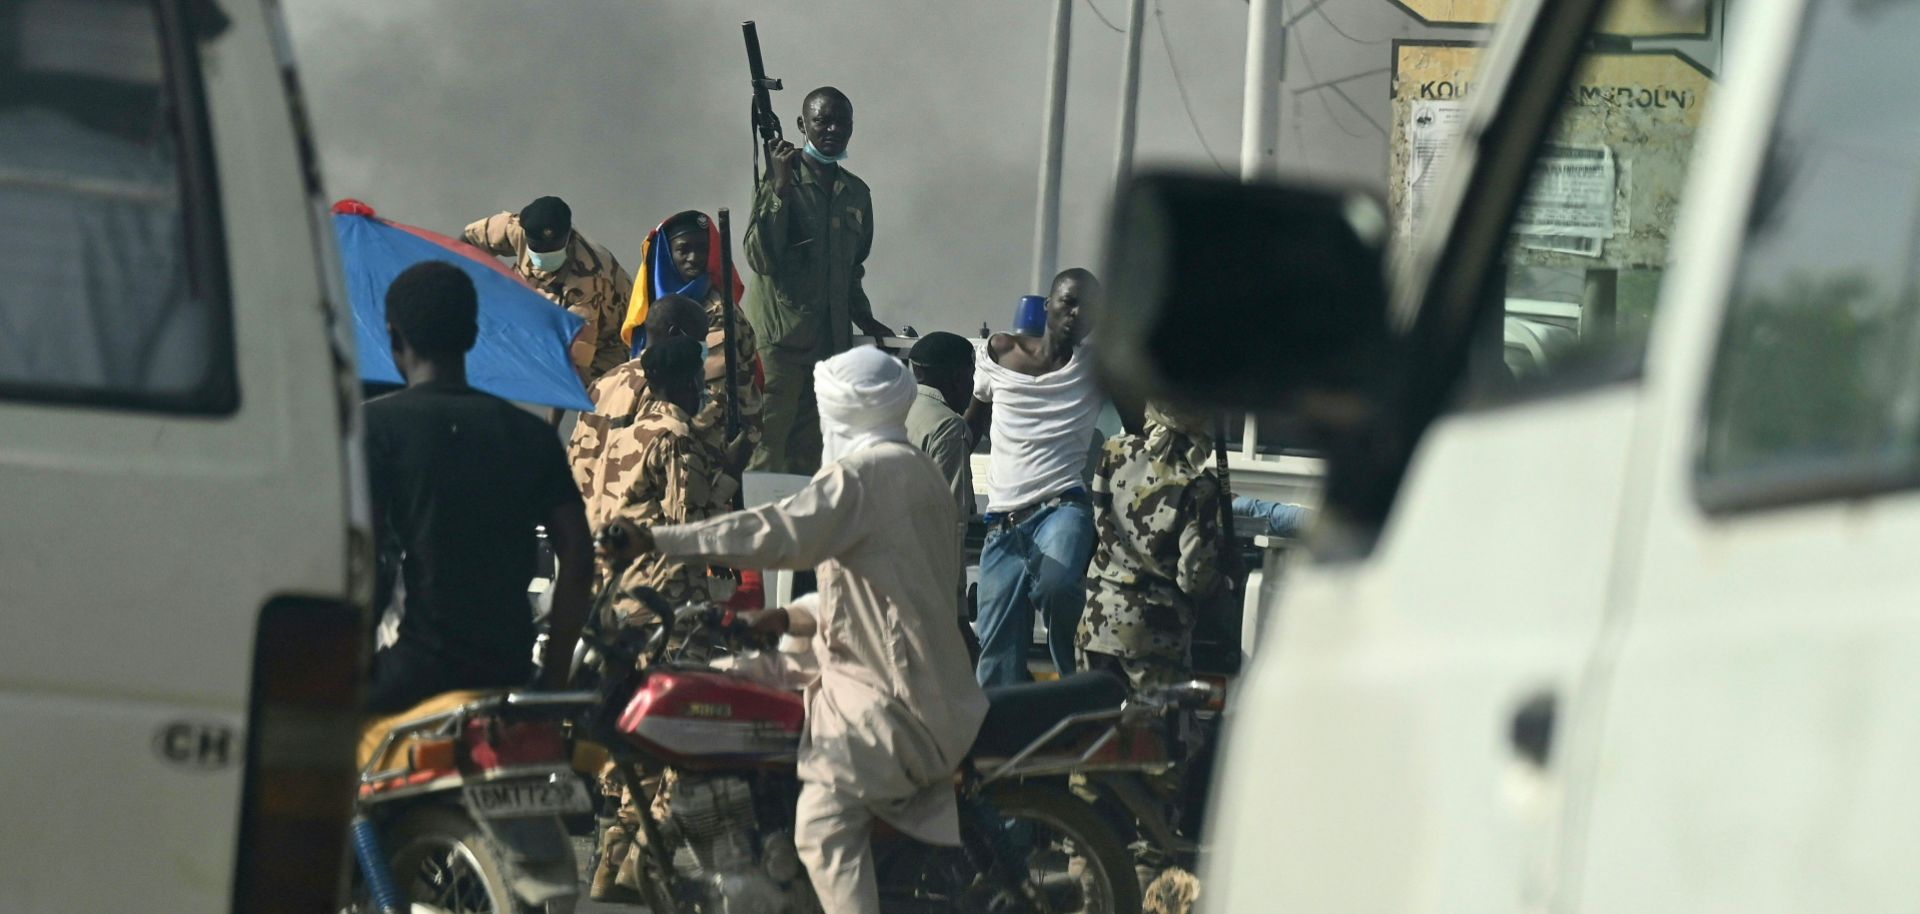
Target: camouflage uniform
618,394
657,472
591,286
1157,514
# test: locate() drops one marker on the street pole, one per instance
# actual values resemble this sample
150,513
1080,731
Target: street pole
1260,114
1047,221
1129,94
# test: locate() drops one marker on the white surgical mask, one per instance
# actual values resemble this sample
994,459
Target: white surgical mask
815,154
549,261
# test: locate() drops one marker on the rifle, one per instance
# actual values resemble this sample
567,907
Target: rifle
765,122
1230,600
726,325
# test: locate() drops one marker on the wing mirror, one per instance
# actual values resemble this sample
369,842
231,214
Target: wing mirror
1267,297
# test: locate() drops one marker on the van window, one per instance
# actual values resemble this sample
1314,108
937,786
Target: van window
111,282
1589,242
1816,384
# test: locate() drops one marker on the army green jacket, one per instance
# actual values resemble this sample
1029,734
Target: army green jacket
810,249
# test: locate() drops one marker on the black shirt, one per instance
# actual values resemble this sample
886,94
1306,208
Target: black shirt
459,481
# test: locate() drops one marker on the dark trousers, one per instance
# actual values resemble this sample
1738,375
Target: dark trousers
404,677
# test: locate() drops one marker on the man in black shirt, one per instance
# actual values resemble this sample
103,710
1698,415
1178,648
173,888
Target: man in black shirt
460,479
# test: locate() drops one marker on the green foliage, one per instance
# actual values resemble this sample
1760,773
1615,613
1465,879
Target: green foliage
1804,372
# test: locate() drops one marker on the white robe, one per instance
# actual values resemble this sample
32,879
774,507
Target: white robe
895,707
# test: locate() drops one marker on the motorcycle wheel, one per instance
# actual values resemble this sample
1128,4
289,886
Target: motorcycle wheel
1060,835
1066,829
441,858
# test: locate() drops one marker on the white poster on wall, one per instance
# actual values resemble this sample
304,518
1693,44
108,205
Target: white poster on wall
1570,205
1433,132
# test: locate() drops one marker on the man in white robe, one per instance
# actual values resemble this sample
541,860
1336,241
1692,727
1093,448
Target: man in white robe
895,706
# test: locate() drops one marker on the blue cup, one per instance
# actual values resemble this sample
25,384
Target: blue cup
1030,316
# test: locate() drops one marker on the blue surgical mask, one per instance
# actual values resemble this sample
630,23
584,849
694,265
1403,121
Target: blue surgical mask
548,261
704,349
821,157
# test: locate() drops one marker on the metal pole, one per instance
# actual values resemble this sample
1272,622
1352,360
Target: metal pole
1260,114
1047,221
1129,94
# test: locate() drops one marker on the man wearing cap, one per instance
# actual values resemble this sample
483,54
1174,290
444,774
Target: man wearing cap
619,397
662,473
563,265
1156,512
943,370
811,231
894,708
677,259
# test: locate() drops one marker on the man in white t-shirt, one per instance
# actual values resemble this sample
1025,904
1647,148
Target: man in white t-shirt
1042,400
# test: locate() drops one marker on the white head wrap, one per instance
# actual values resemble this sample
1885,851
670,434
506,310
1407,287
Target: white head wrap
864,396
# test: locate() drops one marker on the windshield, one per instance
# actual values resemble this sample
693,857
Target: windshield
1590,239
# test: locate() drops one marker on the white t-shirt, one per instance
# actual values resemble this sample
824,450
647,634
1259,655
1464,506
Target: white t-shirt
1041,426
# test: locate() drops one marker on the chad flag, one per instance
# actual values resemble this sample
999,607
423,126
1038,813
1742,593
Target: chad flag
659,277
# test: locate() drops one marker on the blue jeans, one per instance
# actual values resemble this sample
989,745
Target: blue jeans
1282,519
1041,563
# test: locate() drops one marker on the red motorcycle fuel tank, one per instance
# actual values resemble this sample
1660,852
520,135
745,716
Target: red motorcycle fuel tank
700,720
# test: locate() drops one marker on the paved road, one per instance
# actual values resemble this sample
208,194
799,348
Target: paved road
596,907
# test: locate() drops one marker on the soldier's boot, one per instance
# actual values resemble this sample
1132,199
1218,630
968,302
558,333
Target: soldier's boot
615,847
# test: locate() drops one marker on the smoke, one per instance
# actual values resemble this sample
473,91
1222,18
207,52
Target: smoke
438,112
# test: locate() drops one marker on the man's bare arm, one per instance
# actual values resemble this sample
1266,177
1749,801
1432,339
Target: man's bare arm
979,418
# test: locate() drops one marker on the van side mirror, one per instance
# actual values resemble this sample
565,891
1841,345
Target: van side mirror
1248,296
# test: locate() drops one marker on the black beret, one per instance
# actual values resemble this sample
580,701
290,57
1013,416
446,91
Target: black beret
547,220
941,350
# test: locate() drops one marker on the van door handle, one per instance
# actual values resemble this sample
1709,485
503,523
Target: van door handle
1531,730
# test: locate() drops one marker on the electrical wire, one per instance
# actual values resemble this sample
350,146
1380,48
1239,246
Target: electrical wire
1103,18
1307,64
1318,8
1166,44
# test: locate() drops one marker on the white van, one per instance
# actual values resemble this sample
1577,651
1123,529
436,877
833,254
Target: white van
181,525
1641,634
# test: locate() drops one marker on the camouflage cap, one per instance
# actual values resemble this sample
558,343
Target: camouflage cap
547,221
1178,417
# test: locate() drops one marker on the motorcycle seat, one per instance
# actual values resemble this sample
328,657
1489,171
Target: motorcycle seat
374,731
1019,714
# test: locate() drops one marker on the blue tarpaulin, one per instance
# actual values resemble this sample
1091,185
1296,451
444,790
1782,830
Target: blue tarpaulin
521,353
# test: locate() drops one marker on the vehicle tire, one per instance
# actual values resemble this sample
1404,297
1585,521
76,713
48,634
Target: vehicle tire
1110,874
441,857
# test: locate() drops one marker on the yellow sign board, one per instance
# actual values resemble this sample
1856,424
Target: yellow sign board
1630,18
1621,147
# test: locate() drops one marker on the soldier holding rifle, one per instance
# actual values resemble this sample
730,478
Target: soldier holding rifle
808,239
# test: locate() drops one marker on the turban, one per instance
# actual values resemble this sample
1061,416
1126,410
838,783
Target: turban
864,395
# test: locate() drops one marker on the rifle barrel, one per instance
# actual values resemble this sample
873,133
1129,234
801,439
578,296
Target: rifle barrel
726,323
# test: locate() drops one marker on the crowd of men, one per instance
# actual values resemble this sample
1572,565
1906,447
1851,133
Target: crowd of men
1117,567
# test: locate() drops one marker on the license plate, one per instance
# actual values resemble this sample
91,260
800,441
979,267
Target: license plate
529,797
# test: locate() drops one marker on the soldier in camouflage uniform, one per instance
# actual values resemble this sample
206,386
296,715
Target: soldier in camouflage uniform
618,394
1157,516
571,271
617,398
659,472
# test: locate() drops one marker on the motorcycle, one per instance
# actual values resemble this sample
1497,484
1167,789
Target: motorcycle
461,809
719,835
